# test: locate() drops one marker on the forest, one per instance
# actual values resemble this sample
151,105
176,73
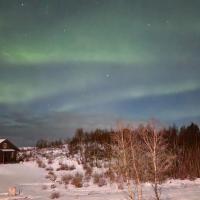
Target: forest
142,154
182,144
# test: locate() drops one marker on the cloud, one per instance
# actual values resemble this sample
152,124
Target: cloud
27,129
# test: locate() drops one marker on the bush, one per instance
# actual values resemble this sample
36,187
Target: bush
88,170
99,180
51,176
50,161
66,179
120,183
96,178
49,168
44,187
55,195
40,163
77,180
53,186
111,175
63,167
102,182
72,167
99,164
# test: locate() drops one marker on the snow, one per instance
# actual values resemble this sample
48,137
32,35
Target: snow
32,184
30,179
2,140
27,178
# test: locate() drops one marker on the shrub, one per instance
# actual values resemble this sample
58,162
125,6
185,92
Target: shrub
99,164
88,170
120,183
55,195
50,161
99,180
51,176
66,179
72,167
53,186
88,173
63,167
111,175
49,168
102,182
77,180
51,173
40,163
96,178
44,187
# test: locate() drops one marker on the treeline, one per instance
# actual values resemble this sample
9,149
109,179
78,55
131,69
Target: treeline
44,143
92,146
142,154
183,144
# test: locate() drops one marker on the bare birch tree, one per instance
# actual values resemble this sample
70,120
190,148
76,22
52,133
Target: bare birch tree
136,163
129,165
121,151
160,159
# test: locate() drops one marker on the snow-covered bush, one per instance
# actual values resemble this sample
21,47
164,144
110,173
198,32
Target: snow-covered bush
66,178
55,195
99,180
77,180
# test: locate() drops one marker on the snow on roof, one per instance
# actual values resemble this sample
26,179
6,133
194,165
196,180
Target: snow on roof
2,140
15,147
7,150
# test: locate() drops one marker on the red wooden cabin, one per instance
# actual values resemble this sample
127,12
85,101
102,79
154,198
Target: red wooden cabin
8,151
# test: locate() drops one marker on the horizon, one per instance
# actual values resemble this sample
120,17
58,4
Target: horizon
152,123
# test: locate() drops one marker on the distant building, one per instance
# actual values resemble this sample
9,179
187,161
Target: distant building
8,152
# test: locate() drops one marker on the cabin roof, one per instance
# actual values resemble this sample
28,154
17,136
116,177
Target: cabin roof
2,140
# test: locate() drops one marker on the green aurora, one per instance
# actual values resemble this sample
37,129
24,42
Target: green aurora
88,63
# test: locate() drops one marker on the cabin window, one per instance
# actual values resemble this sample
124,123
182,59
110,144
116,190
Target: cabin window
5,145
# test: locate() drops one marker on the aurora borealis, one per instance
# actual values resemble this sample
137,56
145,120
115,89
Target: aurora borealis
66,64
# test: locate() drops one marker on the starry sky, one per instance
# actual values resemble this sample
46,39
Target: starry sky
66,64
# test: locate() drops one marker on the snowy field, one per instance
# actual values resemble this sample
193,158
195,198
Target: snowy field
27,178
30,181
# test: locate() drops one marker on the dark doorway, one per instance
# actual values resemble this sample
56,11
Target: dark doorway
8,156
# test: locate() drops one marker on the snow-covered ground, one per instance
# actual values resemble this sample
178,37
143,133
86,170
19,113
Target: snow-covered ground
26,177
30,180
36,183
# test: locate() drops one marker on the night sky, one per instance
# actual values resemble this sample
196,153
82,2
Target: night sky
66,64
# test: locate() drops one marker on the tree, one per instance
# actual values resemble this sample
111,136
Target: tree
159,158
136,162
129,166
121,154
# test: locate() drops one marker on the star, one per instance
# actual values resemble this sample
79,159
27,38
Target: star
107,75
22,4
